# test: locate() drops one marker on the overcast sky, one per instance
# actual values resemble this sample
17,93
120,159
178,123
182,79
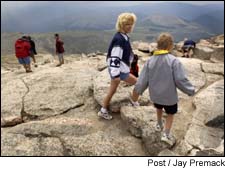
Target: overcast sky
16,4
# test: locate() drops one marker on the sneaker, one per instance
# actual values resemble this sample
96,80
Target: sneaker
135,104
35,65
58,65
158,127
169,139
105,115
29,71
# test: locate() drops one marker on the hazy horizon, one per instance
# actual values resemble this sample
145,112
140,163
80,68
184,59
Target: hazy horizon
88,22
18,4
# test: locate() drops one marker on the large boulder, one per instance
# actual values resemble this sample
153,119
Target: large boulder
143,47
197,134
176,53
219,151
141,55
209,113
152,47
137,118
134,45
71,134
213,68
218,40
141,122
208,119
12,92
98,62
194,74
105,144
15,144
218,54
211,78
203,52
56,90
178,46
209,51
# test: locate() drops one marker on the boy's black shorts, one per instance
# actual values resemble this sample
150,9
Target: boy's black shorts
169,109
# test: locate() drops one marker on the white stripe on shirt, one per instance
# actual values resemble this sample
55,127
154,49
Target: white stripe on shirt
117,52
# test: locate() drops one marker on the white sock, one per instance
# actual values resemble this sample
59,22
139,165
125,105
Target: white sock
167,132
103,110
160,123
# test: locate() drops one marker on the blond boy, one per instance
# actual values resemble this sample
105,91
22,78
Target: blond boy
119,59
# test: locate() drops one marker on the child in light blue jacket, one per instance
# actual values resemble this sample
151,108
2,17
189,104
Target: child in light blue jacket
162,74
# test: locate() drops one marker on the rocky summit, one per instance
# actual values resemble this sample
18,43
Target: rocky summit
53,110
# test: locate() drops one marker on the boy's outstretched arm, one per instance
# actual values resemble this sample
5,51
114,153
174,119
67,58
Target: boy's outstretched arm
134,96
181,80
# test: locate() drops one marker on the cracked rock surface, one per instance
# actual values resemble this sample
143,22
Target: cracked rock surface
53,112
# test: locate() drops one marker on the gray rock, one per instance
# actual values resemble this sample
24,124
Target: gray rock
183,148
197,134
209,51
104,144
18,145
214,68
30,145
141,122
206,114
12,92
194,74
56,90
59,116
137,118
208,152
167,152
212,95
143,47
211,78
203,52
98,62
178,46
218,54
219,151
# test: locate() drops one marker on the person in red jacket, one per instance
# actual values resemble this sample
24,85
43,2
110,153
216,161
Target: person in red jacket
59,49
22,51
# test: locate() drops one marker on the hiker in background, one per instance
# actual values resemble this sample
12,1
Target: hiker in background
187,47
162,74
22,50
32,50
59,49
119,58
134,66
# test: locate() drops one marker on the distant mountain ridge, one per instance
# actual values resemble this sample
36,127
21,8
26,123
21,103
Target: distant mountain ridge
210,21
64,16
86,26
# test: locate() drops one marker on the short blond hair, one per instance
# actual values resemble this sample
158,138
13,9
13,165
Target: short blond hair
124,18
165,41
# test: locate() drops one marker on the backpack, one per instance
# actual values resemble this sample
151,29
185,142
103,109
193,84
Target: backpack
134,66
22,48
